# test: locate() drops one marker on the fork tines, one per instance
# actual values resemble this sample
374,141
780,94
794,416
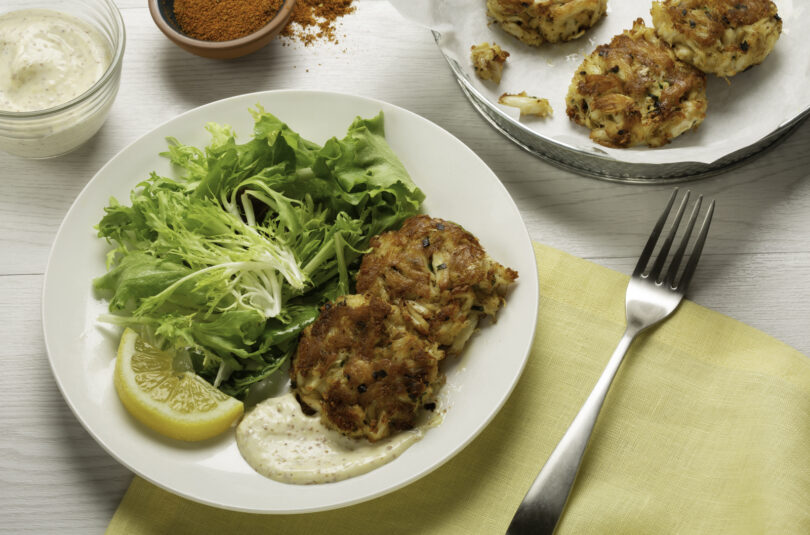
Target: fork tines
669,277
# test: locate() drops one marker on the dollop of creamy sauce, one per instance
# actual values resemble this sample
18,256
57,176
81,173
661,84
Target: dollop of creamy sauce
47,58
280,442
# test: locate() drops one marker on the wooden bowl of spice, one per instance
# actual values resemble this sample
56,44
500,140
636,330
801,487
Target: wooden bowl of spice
221,29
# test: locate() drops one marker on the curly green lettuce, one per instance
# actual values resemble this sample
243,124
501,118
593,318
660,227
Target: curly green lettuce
230,261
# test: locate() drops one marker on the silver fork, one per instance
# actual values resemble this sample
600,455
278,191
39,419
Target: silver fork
652,295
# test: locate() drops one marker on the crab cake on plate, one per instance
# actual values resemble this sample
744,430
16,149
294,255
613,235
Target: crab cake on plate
439,275
723,37
634,91
364,369
538,21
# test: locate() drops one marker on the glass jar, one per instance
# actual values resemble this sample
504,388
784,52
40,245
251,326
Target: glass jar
60,129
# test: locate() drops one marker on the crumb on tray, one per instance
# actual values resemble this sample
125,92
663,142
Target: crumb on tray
488,61
527,104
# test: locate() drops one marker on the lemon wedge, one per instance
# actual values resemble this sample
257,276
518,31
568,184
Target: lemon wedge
171,400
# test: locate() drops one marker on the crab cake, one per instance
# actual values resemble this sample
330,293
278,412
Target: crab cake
634,91
538,21
723,37
364,369
439,275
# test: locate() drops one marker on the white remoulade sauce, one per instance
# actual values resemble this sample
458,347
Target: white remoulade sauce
47,58
280,442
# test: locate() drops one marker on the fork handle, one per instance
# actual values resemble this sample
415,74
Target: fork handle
543,504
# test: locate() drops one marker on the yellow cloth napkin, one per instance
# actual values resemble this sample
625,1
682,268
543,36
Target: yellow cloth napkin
705,430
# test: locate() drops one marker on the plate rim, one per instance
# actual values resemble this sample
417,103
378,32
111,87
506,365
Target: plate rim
484,423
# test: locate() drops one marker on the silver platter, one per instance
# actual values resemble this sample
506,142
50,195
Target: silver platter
603,167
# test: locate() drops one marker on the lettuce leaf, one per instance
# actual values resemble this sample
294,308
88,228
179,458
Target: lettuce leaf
231,260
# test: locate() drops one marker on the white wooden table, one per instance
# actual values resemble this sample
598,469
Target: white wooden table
54,477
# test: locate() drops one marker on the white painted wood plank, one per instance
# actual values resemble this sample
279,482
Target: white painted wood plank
53,475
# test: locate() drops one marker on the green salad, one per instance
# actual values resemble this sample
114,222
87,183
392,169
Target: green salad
226,264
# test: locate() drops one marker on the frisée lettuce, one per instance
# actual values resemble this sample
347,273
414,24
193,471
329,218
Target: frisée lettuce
228,262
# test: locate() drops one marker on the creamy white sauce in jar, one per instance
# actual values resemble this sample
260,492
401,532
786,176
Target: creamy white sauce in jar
280,442
47,58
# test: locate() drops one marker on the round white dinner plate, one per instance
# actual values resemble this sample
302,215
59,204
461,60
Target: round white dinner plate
459,187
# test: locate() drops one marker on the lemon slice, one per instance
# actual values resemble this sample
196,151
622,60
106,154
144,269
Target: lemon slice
172,401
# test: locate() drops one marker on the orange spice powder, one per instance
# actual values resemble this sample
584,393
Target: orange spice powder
223,20
314,20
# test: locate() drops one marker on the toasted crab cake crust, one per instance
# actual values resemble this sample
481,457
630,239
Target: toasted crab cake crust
439,275
364,369
723,37
538,21
634,91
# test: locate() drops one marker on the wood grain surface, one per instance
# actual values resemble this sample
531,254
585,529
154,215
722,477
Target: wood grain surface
55,478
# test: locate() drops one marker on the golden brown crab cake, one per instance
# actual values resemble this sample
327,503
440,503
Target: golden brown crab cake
538,21
439,275
723,37
364,369
634,91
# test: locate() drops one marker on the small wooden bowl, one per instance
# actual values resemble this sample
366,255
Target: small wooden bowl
162,12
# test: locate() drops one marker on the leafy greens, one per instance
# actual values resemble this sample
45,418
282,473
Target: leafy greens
230,261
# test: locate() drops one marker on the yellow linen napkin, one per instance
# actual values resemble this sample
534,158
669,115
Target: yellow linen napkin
705,430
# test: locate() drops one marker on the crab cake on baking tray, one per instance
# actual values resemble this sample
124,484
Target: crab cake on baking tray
439,275
538,21
634,91
723,37
364,369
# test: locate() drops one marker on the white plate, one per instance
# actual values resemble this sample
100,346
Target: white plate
459,187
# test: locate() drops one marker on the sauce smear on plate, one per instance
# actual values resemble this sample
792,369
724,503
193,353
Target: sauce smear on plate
280,442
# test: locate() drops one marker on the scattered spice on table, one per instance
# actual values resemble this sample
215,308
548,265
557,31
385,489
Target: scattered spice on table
223,20
315,20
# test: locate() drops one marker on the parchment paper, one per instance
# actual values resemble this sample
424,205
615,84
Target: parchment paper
741,111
